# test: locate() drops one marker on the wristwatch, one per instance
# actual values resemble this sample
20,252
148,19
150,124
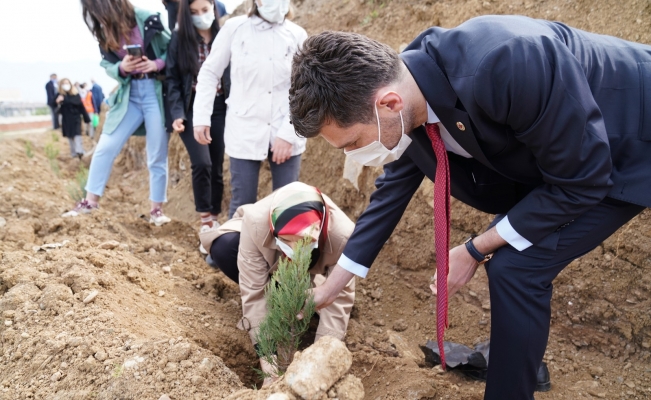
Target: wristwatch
480,258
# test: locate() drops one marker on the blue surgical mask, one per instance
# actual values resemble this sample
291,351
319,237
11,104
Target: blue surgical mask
287,249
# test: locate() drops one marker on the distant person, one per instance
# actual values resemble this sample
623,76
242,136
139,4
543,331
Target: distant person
257,120
72,110
248,247
172,7
52,90
87,98
138,99
98,98
190,45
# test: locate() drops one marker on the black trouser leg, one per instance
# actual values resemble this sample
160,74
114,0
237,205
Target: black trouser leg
205,160
216,147
520,284
224,253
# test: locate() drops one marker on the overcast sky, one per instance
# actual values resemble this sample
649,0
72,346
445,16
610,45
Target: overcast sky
39,37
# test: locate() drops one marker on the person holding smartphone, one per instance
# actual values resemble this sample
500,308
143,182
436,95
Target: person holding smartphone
259,48
191,43
133,43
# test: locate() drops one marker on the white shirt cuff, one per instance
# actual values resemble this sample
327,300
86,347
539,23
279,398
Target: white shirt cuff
506,231
351,266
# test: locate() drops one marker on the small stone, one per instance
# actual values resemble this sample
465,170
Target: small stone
101,356
161,293
186,364
64,365
10,314
110,245
179,352
197,380
3,222
91,296
376,294
8,322
596,371
627,366
278,396
400,325
472,294
206,366
630,384
152,251
56,376
379,322
486,306
164,397
22,212
595,393
24,335
167,269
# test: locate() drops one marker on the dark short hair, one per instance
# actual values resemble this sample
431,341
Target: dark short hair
334,77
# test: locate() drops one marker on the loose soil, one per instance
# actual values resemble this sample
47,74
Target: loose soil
164,322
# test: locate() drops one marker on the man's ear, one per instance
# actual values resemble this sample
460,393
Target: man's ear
392,101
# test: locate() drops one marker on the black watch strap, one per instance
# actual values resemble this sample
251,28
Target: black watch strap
473,250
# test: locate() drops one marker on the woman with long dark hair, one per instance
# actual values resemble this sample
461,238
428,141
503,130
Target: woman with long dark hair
133,43
259,48
190,45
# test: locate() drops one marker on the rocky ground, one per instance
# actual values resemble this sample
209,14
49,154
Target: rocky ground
107,306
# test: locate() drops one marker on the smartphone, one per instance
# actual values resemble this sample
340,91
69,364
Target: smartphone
134,50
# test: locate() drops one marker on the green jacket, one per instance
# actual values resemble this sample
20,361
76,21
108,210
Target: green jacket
156,38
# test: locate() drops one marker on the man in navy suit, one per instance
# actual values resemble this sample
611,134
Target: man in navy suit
52,90
547,126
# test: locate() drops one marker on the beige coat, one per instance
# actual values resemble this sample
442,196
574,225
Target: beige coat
258,258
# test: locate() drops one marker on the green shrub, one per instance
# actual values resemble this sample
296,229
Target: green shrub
52,152
77,189
28,149
287,294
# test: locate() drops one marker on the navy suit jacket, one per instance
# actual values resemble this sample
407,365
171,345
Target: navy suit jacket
555,118
51,94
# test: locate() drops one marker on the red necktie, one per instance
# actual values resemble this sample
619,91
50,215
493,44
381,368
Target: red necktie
441,232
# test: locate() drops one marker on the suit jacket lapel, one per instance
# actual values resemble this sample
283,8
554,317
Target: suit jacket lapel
441,97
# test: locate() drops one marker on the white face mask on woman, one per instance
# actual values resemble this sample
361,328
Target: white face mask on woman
273,11
287,249
376,154
66,87
205,20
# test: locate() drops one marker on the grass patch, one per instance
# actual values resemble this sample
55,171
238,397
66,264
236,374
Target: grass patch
52,152
29,150
77,188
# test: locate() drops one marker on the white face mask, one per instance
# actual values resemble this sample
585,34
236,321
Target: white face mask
287,249
204,21
376,154
66,87
274,11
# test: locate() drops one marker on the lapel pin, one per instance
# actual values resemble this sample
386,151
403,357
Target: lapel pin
461,126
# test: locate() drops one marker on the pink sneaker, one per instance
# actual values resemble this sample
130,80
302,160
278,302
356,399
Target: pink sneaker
157,217
82,207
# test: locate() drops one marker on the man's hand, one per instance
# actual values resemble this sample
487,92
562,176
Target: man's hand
178,125
202,134
463,266
129,64
282,151
462,269
145,66
327,293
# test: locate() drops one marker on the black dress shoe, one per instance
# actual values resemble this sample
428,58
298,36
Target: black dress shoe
543,382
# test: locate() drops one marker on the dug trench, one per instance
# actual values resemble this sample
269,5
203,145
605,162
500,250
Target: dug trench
163,322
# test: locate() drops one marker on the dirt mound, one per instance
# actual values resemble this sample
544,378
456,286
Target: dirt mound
162,322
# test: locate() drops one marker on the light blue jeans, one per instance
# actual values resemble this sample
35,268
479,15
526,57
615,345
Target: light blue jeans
143,106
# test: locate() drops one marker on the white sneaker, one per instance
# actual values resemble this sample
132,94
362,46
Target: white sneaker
157,217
